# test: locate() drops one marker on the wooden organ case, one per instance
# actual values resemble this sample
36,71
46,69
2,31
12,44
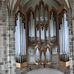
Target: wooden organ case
43,30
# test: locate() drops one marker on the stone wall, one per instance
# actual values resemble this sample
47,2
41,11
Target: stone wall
71,19
7,50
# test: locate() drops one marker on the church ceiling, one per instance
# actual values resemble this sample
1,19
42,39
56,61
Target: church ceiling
32,3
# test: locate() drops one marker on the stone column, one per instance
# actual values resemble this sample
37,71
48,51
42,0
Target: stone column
11,44
3,50
72,38
7,41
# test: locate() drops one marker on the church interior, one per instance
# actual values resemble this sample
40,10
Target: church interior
36,37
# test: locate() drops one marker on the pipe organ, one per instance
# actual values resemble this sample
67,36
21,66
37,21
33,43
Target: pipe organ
20,39
38,40
64,38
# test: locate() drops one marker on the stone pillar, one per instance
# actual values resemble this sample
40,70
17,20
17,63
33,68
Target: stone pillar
11,44
3,51
72,38
7,40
